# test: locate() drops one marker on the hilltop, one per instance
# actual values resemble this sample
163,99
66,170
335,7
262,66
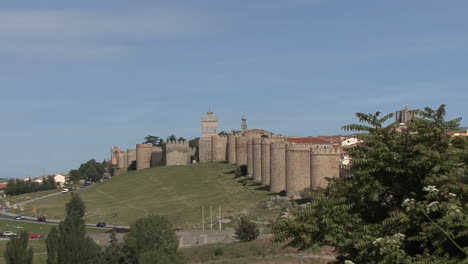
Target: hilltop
177,192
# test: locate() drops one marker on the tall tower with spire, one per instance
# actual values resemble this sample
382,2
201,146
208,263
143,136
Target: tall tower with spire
244,124
209,125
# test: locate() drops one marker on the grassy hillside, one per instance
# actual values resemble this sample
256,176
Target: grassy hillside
177,192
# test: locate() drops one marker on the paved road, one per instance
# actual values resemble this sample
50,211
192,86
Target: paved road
7,215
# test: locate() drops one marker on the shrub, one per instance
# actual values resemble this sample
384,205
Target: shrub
246,230
240,171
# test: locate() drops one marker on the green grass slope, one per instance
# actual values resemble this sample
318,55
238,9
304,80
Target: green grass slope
177,192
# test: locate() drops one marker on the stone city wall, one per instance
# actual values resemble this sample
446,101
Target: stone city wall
218,148
131,156
257,159
177,153
297,168
278,166
231,148
324,163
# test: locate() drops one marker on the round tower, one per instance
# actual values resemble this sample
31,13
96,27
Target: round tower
241,151
265,163
131,156
257,159
297,168
218,148
143,155
324,163
278,166
121,160
231,148
249,157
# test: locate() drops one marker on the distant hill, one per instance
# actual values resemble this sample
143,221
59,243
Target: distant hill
177,192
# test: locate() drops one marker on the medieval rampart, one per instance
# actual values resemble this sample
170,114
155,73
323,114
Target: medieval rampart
177,153
241,151
121,162
249,157
265,161
157,157
231,148
257,159
205,149
278,166
131,156
218,148
143,155
325,163
297,168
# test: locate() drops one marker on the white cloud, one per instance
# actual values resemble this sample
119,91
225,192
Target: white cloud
83,34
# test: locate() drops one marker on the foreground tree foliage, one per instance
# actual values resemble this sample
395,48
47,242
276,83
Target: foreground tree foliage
405,200
69,244
17,251
151,239
75,206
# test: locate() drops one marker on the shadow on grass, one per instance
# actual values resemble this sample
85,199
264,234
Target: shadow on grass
302,201
263,188
230,172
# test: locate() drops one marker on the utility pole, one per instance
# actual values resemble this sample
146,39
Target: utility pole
203,217
211,217
219,217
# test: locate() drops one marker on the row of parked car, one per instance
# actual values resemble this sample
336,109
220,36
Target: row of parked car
86,184
11,234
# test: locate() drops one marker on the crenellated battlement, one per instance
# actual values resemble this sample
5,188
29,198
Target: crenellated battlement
326,151
144,145
298,147
278,145
176,143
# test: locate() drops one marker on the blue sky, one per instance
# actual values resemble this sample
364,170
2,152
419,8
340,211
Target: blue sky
78,77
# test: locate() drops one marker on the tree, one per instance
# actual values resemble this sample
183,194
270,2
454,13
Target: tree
403,202
149,234
92,174
181,139
75,206
172,138
155,140
246,230
223,133
112,254
17,251
74,247
52,246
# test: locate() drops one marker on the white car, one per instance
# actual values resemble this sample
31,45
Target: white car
64,190
19,217
8,234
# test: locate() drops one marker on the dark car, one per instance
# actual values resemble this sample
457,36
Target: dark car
41,219
101,224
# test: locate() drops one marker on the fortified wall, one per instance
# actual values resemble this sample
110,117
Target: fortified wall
148,155
289,164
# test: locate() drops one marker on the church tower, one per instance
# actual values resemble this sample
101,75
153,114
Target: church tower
244,124
209,125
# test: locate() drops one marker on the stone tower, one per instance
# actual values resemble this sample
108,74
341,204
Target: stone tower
231,148
404,115
143,156
324,163
265,161
209,129
249,157
244,124
278,166
297,168
241,151
257,159
209,125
